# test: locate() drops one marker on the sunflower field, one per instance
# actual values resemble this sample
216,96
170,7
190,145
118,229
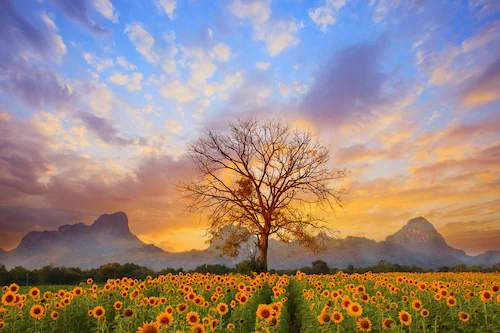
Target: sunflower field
389,302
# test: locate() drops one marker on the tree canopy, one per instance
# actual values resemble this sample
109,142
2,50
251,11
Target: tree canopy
262,178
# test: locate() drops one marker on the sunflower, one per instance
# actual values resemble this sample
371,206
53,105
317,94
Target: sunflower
354,309
164,319
417,305
230,326
118,305
128,312
37,311
14,288
386,324
345,302
222,308
8,298
78,291
34,292
405,318
90,281
451,301
2,324
213,324
148,328
463,316
182,307
198,328
323,318
54,315
425,313
243,299
192,318
98,311
364,325
486,296
263,311
337,317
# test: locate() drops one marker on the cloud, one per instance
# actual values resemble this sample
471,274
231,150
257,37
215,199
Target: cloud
350,87
277,35
142,40
296,88
326,15
263,66
474,237
146,45
98,63
178,91
382,8
78,11
231,81
25,48
173,125
106,9
104,130
166,7
486,88
131,82
222,52
126,65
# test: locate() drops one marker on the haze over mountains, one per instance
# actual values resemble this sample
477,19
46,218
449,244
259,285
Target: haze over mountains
109,239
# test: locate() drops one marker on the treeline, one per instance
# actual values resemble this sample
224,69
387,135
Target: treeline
50,275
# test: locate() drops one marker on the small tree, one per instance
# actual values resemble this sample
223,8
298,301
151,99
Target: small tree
262,178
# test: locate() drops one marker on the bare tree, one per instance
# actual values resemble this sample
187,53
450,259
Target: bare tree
263,177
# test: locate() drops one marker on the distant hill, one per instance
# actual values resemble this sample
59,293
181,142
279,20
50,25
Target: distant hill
109,239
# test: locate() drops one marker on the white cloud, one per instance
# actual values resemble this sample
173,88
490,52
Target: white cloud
125,64
202,69
145,44
326,14
178,91
296,87
105,7
296,67
98,63
166,7
262,65
276,35
58,45
222,52
173,125
148,96
258,12
142,40
169,66
382,9
132,82
231,81
49,20
281,35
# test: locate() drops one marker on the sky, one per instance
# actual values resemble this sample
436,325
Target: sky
100,98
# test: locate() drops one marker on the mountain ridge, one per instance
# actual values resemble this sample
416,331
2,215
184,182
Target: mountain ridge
109,239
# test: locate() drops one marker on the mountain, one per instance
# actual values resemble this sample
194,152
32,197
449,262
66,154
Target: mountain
109,239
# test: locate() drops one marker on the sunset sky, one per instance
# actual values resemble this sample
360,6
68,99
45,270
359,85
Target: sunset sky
99,99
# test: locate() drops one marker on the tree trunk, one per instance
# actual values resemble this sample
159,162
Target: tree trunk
263,244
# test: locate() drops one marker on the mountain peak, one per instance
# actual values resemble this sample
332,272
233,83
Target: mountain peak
419,235
116,223
417,231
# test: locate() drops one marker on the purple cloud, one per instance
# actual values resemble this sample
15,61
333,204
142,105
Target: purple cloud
349,87
78,11
33,84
